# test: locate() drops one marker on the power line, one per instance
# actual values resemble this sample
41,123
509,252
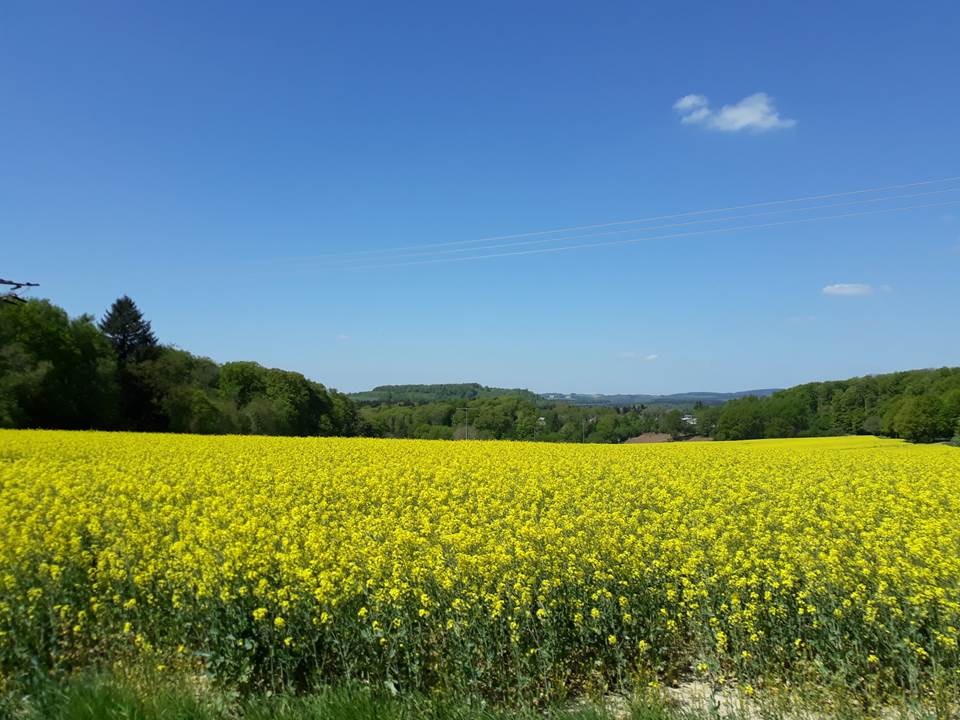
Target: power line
654,218
631,241
728,218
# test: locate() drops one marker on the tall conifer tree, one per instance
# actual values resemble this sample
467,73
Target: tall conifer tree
133,342
128,331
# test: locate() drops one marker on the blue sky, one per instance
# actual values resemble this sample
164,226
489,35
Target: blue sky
215,160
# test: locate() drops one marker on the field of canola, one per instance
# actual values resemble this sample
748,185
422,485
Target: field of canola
508,569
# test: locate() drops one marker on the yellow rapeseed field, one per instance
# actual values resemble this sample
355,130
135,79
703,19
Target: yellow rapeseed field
498,567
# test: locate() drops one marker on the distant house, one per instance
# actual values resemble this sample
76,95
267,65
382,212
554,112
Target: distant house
689,419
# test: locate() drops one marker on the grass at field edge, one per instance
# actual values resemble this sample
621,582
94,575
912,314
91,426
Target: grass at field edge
146,696
113,697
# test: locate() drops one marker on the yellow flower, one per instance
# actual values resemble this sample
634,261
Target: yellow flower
508,541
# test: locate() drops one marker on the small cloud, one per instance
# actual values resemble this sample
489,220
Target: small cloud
342,338
848,289
802,319
633,355
755,112
689,103
692,108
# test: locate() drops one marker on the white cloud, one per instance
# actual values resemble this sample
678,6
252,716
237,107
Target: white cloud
633,355
698,115
755,112
342,338
689,102
848,289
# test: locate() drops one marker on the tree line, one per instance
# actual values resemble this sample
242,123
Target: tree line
75,373
916,405
520,417
434,393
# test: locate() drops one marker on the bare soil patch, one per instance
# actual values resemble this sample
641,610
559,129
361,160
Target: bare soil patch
649,438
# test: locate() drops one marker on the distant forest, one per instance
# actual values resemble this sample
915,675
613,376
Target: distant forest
114,374
435,393
514,417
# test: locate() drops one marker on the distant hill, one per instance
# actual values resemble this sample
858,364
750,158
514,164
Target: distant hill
676,399
420,394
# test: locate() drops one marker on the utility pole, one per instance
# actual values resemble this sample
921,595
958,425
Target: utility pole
583,427
540,421
11,295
